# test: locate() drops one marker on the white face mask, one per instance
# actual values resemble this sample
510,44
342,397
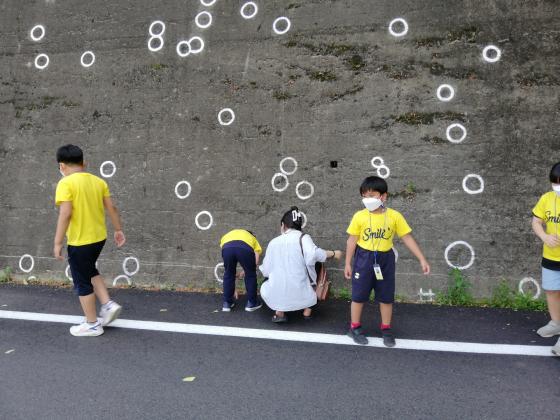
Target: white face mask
556,188
372,203
61,173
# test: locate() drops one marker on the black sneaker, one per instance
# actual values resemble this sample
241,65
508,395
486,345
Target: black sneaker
357,335
388,337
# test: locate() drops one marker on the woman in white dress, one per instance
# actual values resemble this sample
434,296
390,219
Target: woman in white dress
291,272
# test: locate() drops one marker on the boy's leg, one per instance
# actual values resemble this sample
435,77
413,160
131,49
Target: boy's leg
362,285
82,266
553,302
385,295
88,306
246,258
551,286
100,289
230,266
386,310
356,309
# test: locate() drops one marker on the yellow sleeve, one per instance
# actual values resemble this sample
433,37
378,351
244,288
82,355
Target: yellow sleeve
257,247
354,228
401,226
63,193
106,192
540,209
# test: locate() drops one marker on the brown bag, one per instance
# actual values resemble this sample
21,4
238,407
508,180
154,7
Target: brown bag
323,284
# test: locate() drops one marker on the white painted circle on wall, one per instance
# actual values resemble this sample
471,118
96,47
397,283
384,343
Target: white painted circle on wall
203,20
531,280
199,215
400,21
305,196
158,40
454,244
304,217
480,181
294,163
22,259
445,93
273,182
286,22
223,112
42,61
253,8
449,133
216,275
183,48
87,59
157,24
122,277
37,33
179,185
107,174
383,172
136,266
491,54
377,162
207,3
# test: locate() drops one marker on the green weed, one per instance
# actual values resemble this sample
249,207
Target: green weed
5,275
458,291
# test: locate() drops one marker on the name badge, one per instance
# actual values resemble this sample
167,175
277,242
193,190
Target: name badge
378,273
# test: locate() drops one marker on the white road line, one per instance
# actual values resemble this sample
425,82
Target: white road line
426,345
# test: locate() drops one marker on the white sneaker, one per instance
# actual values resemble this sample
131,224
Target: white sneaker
110,313
549,330
556,348
86,330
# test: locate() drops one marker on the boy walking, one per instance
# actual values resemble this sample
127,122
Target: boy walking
83,199
370,242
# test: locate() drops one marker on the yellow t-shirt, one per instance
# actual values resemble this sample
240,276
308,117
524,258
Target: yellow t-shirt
86,192
548,210
241,235
375,231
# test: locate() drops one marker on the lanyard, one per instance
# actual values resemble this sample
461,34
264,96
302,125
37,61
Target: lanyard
375,248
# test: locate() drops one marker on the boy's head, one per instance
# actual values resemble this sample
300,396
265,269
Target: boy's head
374,186
374,193
69,156
555,174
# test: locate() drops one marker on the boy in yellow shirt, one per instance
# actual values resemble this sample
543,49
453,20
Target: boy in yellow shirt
240,246
546,225
370,242
83,199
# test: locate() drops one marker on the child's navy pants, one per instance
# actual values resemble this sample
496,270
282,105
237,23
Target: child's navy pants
239,252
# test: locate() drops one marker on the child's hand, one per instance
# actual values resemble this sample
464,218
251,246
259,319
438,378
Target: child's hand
57,251
241,275
348,271
425,267
338,254
119,238
551,241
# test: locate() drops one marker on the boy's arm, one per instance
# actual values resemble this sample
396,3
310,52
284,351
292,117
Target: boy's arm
115,221
64,216
257,258
415,249
550,240
350,249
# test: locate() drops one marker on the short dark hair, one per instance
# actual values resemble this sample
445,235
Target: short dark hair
70,154
555,174
292,219
374,183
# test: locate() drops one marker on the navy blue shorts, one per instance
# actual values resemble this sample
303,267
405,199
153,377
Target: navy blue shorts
82,261
364,280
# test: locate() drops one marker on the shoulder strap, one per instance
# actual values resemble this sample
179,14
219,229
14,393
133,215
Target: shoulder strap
303,255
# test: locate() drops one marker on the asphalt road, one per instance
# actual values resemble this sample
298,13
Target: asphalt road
139,374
